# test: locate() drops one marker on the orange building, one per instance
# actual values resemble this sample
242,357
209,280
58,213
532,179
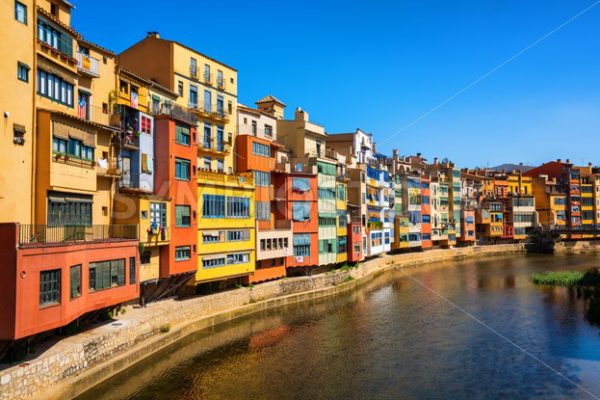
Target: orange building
426,241
48,283
175,179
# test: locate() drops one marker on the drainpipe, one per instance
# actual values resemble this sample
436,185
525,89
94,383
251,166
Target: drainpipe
34,115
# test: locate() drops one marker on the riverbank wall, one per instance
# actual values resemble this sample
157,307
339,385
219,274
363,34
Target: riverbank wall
68,366
577,246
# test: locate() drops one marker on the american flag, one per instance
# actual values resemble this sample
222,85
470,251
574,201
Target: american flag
82,108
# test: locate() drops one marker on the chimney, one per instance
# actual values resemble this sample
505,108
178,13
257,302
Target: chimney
153,34
568,161
395,154
419,155
559,160
435,161
301,115
590,164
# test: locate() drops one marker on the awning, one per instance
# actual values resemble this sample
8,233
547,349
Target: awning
56,197
327,215
65,131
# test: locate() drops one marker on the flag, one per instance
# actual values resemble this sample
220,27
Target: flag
82,108
134,99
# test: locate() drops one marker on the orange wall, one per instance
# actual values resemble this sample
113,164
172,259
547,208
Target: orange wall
180,192
311,226
23,279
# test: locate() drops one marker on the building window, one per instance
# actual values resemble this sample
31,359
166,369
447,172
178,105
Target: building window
325,168
212,237
263,210
193,67
213,262
106,274
193,96
54,9
50,287
254,128
75,281
158,215
300,185
132,275
327,246
207,163
183,253
21,12
220,145
146,124
207,139
54,88
180,88
182,135
268,130
300,211
238,207
69,210
48,34
207,72
220,78
22,72
182,169
301,245
238,258
220,105
262,179
259,149
183,216
341,192
220,165
238,236
213,206
59,146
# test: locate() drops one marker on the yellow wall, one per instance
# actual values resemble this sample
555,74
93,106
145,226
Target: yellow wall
16,98
226,185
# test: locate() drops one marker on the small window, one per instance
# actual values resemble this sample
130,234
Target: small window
54,9
75,281
23,72
132,274
123,86
183,253
21,12
180,88
183,216
50,287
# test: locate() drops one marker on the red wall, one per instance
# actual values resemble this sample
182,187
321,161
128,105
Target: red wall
179,192
22,278
426,210
8,276
353,239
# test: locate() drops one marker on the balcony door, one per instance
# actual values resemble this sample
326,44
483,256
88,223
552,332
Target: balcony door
207,101
126,171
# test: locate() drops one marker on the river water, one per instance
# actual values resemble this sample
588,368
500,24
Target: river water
475,329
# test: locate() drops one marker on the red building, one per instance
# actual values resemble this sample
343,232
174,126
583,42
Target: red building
467,231
355,251
48,282
176,179
426,241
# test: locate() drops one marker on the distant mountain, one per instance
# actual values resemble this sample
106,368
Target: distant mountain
512,167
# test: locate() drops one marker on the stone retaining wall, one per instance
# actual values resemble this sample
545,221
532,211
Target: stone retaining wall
577,247
75,364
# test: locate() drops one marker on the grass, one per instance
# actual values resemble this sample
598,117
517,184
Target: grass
348,279
567,278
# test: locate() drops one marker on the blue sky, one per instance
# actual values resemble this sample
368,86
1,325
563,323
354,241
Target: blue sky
380,65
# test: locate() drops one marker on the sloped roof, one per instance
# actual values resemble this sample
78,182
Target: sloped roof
269,99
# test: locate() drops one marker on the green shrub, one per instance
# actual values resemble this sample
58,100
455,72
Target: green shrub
348,279
164,328
558,278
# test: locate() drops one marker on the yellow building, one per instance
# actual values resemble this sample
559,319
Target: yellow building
550,202
342,219
226,227
204,85
17,92
400,233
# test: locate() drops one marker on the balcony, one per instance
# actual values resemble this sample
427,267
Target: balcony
210,145
87,65
175,111
108,168
130,140
30,235
152,238
282,167
211,111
